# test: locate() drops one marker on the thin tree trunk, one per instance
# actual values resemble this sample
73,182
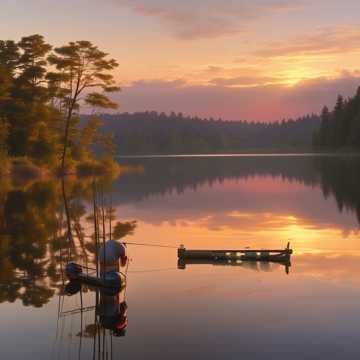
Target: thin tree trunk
68,119
67,215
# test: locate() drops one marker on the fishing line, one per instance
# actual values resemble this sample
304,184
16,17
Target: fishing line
152,245
152,270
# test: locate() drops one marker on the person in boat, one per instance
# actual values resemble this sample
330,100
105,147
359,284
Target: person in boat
111,256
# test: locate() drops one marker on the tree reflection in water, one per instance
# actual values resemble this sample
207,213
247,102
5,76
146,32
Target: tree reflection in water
34,236
34,232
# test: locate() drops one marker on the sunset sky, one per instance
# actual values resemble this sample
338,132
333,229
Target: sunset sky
260,60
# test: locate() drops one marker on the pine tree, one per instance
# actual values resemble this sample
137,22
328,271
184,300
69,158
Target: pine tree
27,109
324,132
338,136
80,66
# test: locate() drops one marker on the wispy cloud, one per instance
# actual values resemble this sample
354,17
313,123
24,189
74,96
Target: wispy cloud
245,81
208,18
323,41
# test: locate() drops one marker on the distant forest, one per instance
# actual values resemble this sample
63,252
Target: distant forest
158,133
340,128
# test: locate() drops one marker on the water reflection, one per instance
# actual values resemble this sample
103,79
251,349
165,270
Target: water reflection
110,317
217,203
38,236
265,266
36,241
337,176
106,282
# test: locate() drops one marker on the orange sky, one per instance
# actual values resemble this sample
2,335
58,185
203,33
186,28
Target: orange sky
240,59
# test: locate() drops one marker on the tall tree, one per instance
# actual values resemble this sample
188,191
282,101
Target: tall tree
324,131
27,108
9,55
353,122
80,66
338,126
8,60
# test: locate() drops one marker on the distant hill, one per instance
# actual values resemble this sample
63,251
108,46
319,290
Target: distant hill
154,133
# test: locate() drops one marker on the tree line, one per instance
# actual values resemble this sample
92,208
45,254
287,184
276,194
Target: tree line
340,127
42,89
159,133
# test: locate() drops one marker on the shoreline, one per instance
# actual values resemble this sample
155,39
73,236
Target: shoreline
247,154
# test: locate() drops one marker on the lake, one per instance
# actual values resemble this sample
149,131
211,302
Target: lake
310,310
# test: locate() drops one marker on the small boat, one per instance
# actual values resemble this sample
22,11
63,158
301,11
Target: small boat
281,256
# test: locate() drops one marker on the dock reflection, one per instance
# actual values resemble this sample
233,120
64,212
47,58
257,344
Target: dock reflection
253,265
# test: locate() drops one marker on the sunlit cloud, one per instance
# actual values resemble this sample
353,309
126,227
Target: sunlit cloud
236,59
264,102
245,81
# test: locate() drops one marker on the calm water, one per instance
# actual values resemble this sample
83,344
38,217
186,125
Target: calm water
248,311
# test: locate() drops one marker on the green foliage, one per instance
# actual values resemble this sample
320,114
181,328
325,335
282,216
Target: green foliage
97,100
80,65
9,55
26,107
39,107
89,136
340,128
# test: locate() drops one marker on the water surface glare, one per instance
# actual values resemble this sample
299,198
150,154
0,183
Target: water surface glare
199,311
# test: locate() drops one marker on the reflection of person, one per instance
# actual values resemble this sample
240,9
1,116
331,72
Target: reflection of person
112,307
113,312
110,255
